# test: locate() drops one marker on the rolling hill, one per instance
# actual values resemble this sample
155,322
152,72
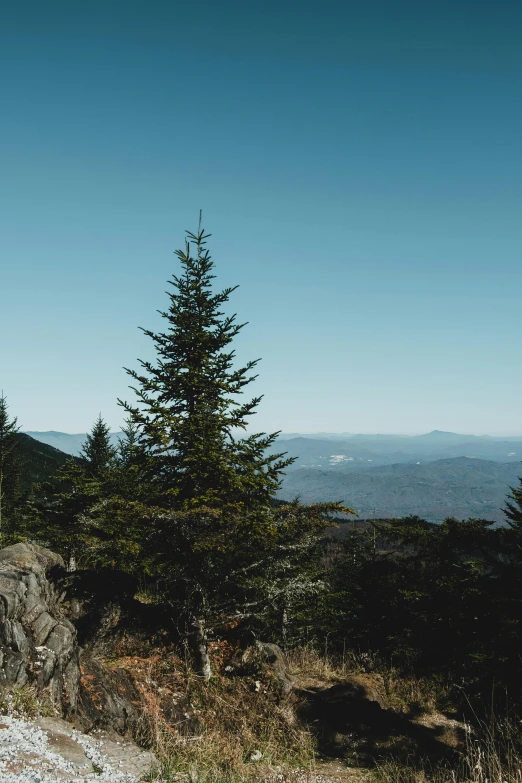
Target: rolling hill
348,452
461,487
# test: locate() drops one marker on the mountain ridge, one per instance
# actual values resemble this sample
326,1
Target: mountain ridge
40,460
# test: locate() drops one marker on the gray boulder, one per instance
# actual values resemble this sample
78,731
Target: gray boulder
38,644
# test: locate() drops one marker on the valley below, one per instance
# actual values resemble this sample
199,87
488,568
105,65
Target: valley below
460,487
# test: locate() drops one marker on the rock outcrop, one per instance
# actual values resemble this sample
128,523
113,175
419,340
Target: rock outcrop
38,644
57,629
269,659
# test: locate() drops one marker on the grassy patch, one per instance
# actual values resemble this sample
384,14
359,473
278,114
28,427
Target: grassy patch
229,729
493,755
24,702
404,692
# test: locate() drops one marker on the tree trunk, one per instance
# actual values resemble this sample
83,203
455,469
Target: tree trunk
200,649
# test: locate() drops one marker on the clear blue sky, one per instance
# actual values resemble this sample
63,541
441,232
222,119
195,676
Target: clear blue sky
358,164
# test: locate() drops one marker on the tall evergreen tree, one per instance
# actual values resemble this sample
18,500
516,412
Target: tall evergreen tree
215,537
10,465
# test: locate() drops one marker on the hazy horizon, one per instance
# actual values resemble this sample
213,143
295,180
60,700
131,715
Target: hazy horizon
332,432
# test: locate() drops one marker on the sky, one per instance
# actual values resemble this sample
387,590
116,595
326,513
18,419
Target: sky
358,165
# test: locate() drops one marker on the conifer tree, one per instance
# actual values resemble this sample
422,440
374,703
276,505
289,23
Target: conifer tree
188,409
10,464
215,537
66,516
131,471
97,452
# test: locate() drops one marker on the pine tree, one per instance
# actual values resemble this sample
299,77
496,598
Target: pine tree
215,537
188,408
10,465
130,473
97,452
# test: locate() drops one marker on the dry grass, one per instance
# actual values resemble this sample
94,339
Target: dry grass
229,729
241,730
492,755
308,662
427,694
403,692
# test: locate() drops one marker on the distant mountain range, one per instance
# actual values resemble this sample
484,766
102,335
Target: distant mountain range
435,475
332,450
359,451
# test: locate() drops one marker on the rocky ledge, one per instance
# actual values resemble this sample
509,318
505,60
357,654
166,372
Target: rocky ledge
38,644
40,661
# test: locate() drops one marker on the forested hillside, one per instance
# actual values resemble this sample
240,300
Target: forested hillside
433,475
460,487
38,461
